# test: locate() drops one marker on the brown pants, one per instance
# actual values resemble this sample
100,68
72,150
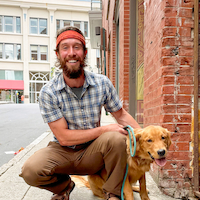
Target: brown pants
50,167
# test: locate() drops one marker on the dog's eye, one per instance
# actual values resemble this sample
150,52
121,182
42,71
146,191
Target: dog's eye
162,137
149,140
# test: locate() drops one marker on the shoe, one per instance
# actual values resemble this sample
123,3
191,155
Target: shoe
66,195
110,196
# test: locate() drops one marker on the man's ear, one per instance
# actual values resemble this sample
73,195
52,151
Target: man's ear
85,52
57,54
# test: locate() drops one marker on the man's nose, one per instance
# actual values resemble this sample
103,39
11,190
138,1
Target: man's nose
71,51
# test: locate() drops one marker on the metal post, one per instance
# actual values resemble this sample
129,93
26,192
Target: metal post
196,95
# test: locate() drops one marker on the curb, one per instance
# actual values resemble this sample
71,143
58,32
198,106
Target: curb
22,153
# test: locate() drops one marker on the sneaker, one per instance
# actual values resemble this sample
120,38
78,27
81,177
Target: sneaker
66,195
110,196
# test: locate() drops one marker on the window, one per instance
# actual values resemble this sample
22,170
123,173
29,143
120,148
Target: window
66,23
86,29
18,25
1,51
18,51
39,52
10,24
11,75
38,26
83,26
1,23
43,52
10,51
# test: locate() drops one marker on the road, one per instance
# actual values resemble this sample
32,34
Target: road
20,124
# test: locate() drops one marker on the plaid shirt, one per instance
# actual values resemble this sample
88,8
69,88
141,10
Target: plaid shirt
57,100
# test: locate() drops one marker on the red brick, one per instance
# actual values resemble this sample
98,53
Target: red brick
186,90
187,3
170,61
172,3
166,99
172,41
185,12
183,99
181,137
184,32
170,12
186,51
169,32
169,108
183,146
168,89
170,21
179,155
186,22
185,80
183,109
168,80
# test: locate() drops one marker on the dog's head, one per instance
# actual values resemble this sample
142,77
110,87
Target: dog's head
153,143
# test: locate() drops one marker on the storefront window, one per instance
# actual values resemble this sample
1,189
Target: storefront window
12,96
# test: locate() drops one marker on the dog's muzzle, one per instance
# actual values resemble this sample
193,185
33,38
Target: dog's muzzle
160,161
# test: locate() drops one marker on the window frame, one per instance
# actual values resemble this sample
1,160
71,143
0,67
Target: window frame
38,26
39,54
14,24
15,45
60,24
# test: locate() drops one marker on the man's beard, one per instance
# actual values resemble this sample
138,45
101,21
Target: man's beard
72,73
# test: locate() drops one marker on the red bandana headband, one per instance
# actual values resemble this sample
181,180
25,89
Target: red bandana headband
70,34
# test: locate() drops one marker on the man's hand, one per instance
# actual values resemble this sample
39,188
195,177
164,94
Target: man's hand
114,127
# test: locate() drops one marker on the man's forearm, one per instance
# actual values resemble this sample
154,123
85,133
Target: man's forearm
124,118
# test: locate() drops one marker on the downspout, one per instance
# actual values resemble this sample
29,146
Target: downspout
196,95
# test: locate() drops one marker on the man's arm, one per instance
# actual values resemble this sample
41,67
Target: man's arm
124,118
67,137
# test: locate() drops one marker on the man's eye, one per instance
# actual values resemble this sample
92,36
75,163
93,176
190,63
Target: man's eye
65,47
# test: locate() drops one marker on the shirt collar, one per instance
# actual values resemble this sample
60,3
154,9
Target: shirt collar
61,82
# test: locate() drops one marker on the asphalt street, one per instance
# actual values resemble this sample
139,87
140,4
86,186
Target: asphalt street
20,124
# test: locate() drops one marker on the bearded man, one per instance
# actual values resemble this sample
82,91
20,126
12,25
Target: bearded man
71,104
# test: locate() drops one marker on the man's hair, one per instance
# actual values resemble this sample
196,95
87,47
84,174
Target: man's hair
67,28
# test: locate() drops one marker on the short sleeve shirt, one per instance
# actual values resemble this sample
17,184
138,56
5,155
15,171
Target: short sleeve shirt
57,100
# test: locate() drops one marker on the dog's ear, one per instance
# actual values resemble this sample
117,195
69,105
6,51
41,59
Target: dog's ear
137,133
168,138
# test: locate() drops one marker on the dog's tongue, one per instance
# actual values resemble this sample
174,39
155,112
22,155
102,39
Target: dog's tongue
161,162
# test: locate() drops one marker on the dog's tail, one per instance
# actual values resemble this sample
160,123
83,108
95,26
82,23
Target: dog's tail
80,181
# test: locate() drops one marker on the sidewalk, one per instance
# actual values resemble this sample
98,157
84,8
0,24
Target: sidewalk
12,187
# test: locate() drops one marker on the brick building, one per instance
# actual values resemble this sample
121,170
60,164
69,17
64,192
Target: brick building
150,59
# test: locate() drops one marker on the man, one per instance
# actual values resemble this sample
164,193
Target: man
71,105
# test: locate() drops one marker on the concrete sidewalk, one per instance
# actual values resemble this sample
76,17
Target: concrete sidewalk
12,187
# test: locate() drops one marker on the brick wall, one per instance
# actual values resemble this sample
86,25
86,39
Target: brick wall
110,26
168,86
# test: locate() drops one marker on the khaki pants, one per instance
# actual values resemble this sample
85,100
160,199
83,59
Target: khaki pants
50,167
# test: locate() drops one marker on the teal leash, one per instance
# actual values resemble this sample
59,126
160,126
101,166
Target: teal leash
132,155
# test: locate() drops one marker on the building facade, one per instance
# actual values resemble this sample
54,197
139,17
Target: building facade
150,59
27,42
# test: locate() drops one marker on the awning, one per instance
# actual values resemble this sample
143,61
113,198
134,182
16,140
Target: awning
11,84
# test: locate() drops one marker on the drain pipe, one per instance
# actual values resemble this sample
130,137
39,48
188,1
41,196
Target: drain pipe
196,95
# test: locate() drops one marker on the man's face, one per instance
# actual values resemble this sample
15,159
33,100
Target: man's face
71,55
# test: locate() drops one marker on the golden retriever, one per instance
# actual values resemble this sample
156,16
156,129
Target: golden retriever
152,145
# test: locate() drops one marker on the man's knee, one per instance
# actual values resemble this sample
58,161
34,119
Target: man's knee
33,172
116,140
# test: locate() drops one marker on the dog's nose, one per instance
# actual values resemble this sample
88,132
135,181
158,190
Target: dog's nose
161,152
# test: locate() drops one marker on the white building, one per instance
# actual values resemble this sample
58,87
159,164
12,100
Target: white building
27,42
